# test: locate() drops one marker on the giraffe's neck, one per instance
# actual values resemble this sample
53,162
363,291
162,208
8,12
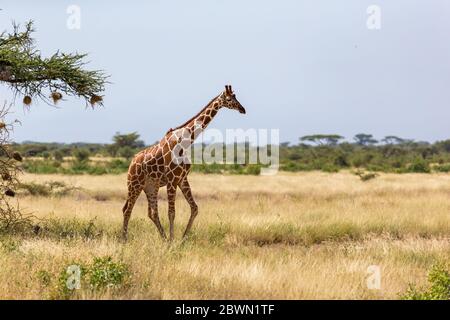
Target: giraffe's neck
204,118
199,122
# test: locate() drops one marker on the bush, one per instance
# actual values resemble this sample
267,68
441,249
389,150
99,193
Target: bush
365,176
419,166
443,168
127,152
330,168
105,273
101,274
118,165
81,155
41,167
207,168
58,155
341,161
96,170
295,166
46,189
438,286
253,169
68,276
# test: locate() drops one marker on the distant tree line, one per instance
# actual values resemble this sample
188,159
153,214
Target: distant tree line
325,152
329,152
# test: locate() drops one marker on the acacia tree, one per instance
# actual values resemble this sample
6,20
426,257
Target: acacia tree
28,74
125,145
390,140
364,139
323,139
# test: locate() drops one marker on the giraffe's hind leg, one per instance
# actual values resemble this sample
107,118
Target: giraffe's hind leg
151,190
133,194
171,194
186,189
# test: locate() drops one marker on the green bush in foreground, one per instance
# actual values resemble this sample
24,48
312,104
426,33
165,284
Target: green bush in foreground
438,287
106,273
102,273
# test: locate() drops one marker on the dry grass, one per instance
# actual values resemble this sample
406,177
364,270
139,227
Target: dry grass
289,236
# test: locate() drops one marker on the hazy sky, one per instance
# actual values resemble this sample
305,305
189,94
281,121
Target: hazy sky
303,67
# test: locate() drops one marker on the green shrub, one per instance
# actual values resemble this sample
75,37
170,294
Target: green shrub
96,170
234,168
253,169
106,273
118,166
330,168
341,161
69,280
365,176
46,189
101,274
58,155
443,168
81,155
438,286
41,167
295,166
419,166
78,167
127,152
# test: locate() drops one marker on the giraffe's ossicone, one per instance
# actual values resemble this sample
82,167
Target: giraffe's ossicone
163,164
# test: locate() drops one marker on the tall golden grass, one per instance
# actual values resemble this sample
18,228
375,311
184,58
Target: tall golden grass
289,236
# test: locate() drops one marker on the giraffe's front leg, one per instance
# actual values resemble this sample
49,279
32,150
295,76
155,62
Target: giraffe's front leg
171,194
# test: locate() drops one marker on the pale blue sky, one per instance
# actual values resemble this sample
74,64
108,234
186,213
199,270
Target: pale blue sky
301,66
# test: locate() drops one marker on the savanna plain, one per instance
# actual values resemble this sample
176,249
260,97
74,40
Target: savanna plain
309,235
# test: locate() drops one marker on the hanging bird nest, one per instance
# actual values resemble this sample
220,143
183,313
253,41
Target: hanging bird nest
56,96
16,156
95,99
27,100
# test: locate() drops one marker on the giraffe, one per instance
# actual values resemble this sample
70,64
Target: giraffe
163,165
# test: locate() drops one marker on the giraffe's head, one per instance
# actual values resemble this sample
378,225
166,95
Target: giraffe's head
228,100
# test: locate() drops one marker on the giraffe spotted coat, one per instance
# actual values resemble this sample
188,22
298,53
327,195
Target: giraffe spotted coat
160,165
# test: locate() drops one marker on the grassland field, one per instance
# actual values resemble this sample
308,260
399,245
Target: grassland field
289,236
